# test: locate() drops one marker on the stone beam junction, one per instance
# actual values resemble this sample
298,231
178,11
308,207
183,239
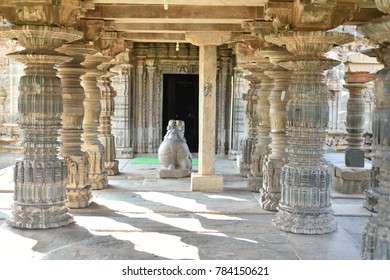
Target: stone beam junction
93,91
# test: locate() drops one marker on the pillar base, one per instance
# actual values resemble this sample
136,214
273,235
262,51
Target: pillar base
34,217
255,183
98,181
79,198
112,167
269,200
294,220
206,183
354,158
375,240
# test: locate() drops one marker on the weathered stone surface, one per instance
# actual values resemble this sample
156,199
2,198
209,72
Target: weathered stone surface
352,173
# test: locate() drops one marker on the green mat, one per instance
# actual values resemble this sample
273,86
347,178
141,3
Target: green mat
146,160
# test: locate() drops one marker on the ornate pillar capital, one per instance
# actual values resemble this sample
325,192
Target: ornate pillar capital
43,12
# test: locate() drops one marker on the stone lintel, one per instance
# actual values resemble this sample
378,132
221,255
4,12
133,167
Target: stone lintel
206,183
204,38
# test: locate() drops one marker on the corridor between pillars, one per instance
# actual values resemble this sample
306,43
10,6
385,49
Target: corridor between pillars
40,176
305,195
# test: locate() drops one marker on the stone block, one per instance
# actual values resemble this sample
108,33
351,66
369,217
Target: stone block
175,173
348,180
352,173
206,183
354,158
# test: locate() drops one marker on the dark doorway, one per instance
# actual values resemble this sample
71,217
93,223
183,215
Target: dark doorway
180,102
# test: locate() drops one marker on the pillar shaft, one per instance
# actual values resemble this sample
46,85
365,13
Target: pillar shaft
107,111
121,118
79,192
97,175
272,169
207,108
354,154
40,176
263,128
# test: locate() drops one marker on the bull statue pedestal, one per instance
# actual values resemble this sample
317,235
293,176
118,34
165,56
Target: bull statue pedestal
173,153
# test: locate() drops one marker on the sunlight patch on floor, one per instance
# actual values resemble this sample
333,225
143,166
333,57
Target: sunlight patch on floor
174,201
160,244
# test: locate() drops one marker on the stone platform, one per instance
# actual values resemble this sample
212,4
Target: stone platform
142,217
348,180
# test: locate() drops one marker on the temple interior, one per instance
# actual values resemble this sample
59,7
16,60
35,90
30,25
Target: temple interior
214,126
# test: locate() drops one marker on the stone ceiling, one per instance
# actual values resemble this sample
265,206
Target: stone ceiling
169,20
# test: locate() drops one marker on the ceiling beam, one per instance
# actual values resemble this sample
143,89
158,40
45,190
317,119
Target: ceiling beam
176,14
154,37
175,27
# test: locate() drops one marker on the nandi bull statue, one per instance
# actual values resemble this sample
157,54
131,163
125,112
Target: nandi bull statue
173,153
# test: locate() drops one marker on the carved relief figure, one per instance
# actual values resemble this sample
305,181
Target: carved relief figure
174,154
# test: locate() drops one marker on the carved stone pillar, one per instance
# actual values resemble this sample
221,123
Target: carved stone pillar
140,98
79,192
236,115
151,101
305,196
206,179
97,175
277,158
107,111
251,114
40,176
223,101
376,236
121,118
263,128
354,154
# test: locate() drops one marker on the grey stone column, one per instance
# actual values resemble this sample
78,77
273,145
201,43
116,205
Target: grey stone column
251,114
97,175
79,192
40,176
376,235
305,196
354,154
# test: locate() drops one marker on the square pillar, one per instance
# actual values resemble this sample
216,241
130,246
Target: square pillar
206,179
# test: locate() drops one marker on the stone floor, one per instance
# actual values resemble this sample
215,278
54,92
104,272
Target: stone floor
142,217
